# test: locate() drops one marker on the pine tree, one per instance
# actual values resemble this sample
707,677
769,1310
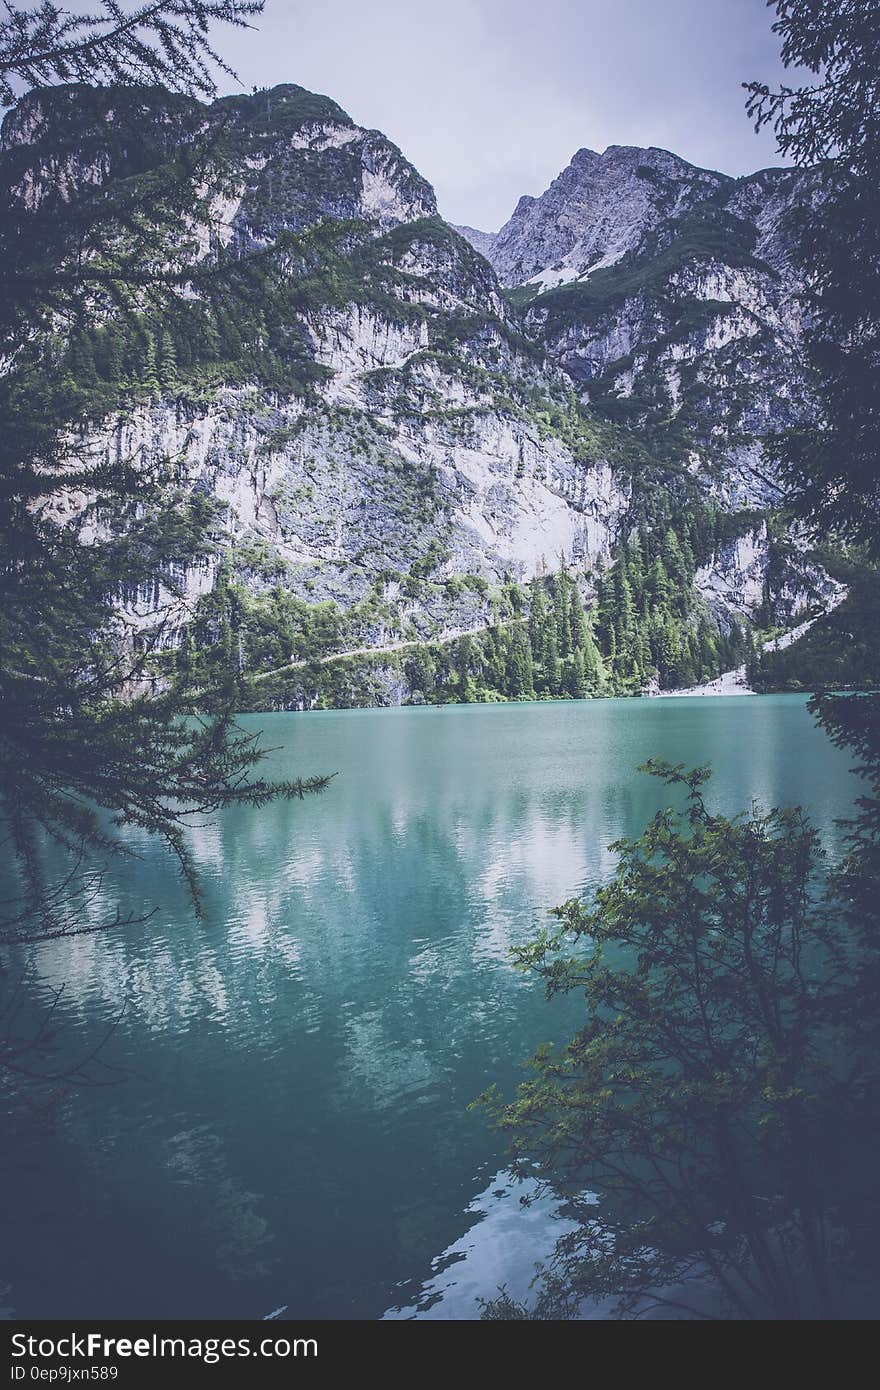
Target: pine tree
578,621
115,368
575,677
421,671
672,558
168,374
82,363
466,662
562,614
520,674
150,383
657,584
594,670
552,665
624,619
496,660
538,619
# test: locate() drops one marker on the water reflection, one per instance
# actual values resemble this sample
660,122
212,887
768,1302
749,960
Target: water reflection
294,1129
500,1250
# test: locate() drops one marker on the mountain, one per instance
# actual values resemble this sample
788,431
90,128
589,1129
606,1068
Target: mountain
598,209
428,446
668,294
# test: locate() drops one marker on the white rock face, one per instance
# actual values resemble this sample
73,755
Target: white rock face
324,492
318,136
735,582
381,199
598,208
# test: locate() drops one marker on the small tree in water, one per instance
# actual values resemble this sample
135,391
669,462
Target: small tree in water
717,1098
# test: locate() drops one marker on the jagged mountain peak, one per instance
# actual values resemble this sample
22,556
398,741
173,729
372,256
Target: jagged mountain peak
652,155
595,211
286,107
300,158
312,161
579,175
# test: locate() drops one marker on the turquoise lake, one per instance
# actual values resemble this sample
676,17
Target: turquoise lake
289,1126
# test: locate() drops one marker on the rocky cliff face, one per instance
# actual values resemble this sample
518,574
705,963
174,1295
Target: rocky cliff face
422,441
598,209
386,426
668,294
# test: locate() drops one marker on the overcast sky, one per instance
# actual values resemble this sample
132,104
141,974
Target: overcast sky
491,98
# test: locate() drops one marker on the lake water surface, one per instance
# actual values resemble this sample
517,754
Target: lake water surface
292,1124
